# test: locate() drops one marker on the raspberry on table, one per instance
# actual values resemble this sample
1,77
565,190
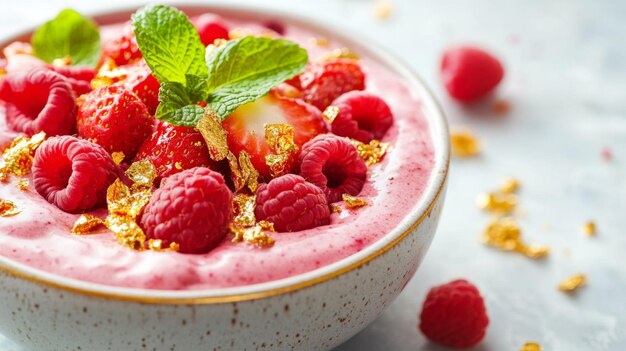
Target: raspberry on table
454,315
470,73
73,174
323,83
38,100
362,116
334,165
192,208
291,204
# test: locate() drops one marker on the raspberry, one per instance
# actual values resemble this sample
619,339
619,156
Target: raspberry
454,315
470,74
324,83
192,208
362,116
115,119
38,100
73,174
210,27
333,164
79,77
292,204
276,27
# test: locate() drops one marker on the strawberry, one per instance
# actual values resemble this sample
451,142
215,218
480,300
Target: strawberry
123,49
246,132
139,80
115,119
323,83
172,149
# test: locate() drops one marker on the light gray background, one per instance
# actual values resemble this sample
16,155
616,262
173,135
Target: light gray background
566,79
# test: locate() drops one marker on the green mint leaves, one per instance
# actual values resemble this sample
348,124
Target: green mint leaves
69,34
236,73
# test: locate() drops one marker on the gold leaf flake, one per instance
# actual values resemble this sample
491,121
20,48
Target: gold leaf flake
535,251
125,201
126,231
18,158
157,245
373,152
322,42
531,346
341,53
258,234
8,208
498,203
118,157
572,283
330,113
22,184
213,47
280,140
86,223
62,61
505,234
334,208
242,171
382,9
214,135
108,74
464,143
142,173
590,228
353,201
509,186
3,173
243,210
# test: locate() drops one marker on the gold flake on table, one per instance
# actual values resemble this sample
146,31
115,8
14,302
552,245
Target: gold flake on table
509,186
498,203
330,113
531,346
590,228
242,171
118,157
17,159
373,152
464,143
86,224
8,208
23,184
257,234
158,245
340,53
382,9
505,234
279,137
321,42
573,283
353,201
214,135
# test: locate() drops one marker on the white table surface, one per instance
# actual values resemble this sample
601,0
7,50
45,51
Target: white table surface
566,80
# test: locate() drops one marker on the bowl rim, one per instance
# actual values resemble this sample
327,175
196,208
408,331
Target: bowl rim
422,209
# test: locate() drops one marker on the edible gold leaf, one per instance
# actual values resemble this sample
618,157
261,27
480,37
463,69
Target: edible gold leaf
531,346
18,157
353,201
126,231
8,208
573,283
258,234
373,152
214,135
464,143
330,113
341,53
22,184
142,173
243,210
86,223
118,157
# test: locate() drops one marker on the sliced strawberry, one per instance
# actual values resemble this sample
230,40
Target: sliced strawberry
139,80
115,119
246,127
323,83
172,149
122,50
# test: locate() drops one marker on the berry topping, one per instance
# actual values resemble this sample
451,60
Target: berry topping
292,204
210,27
139,80
122,50
79,77
333,164
73,174
325,82
114,118
470,74
246,127
454,315
172,149
192,208
362,116
38,100
275,26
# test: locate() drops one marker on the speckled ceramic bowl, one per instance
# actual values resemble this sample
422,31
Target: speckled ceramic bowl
317,310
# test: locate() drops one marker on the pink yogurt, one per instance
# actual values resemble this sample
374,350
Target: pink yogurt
40,236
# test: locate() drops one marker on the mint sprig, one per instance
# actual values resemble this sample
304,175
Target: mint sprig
236,73
68,34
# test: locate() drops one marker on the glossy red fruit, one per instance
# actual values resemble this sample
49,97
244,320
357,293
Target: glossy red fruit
172,149
38,100
114,118
210,27
139,80
362,116
123,49
323,83
470,73
79,77
454,315
192,208
245,127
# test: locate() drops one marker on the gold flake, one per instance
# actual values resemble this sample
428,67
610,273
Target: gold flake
373,152
341,53
214,135
572,283
330,113
505,234
257,234
22,184
142,173
334,208
118,157
242,171
498,203
63,61
531,346
108,74
126,231
464,143
590,228
8,208
509,186
353,201
535,251
157,245
243,210
322,42
86,223
18,158
213,47
280,140
382,9
3,173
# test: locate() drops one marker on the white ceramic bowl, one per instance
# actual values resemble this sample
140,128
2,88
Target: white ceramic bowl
317,310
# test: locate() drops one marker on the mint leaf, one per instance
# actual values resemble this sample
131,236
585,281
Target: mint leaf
169,43
174,96
244,70
185,116
69,34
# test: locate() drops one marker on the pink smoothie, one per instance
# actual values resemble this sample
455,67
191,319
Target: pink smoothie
40,236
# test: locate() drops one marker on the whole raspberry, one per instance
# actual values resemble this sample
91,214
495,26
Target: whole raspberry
73,174
333,164
454,315
79,77
323,83
469,73
292,204
362,116
192,208
38,100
